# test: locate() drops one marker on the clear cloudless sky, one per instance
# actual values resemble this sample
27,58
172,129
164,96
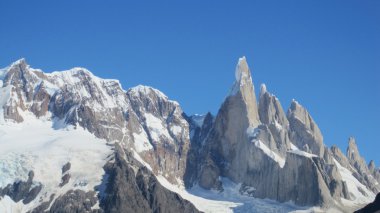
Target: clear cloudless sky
325,54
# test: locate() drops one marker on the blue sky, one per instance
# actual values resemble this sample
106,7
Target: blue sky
325,54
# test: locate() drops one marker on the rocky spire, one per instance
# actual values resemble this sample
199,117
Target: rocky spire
304,130
340,157
228,136
354,157
272,115
270,109
244,88
371,166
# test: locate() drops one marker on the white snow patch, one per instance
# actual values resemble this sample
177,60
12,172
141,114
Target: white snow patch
242,76
353,184
277,125
176,130
241,69
8,205
156,127
5,95
294,149
141,142
146,90
263,89
230,200
252,132
259,144
104,88
44,150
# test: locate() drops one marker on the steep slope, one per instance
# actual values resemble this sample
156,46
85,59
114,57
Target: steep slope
273,116
304,131
282,157
226,144
132,187
159,123
32,163
56,164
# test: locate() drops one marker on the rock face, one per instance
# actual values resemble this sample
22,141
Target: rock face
160,125
303,130
227,140
375,172
243,91
200,127
282,156
132,187
273,116
361,170
354,157
253,152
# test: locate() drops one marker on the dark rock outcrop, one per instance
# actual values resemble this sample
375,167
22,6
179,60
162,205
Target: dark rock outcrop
132,187
22,190
200,127
73,201
373,207
66,167
65,179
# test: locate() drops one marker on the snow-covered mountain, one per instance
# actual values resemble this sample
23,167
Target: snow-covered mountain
73,142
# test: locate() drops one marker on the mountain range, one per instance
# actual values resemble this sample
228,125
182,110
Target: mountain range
73,142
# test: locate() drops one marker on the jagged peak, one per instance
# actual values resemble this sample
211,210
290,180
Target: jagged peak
242,69
334,147
352,144
263,89
295,103
142,89
371,166
296,107
352,148
146,90
18,62
242,76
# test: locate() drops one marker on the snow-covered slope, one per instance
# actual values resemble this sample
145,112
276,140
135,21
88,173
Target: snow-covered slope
231,199
40,146
358,192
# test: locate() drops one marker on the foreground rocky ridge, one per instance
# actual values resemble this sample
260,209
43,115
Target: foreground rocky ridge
278,154
132,187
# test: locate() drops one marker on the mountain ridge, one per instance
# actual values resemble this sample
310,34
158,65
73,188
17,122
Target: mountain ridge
251,142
